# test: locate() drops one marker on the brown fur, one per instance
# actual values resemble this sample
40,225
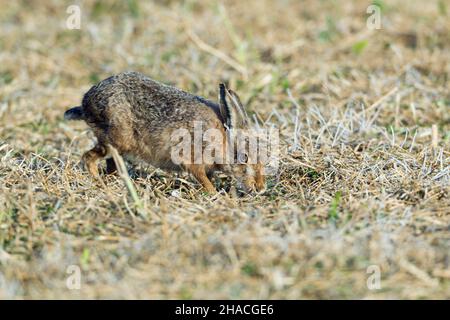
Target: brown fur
137,116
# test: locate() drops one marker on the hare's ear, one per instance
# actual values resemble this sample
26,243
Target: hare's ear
241,116
224,107
231,109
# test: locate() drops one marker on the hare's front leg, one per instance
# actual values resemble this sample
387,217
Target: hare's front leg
91,158
199,172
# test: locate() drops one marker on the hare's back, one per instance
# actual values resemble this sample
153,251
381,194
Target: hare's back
131,109
138,95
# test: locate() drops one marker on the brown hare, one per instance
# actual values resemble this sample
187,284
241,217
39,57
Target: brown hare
140,117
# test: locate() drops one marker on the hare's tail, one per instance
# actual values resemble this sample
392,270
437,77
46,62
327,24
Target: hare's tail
75,113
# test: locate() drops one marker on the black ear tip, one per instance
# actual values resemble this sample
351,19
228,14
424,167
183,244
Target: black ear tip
222,89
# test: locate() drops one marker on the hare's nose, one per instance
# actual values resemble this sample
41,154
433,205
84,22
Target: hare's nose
260,187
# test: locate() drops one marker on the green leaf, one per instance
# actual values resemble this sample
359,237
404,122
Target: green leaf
94,78
250,269
380,4
442,7
324,36
359,46
133,6
6,77
333,213
84,259
98,9
285,83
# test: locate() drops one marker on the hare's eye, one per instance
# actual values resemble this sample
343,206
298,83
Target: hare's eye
242,158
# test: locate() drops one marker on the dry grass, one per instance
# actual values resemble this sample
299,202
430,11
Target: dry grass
363,178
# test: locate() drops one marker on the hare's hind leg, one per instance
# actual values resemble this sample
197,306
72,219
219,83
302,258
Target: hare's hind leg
91,158
110,166
199,172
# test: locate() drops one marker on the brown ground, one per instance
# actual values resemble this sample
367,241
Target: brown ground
364,182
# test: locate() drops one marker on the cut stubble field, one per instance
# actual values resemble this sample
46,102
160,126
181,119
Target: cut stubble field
363,184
